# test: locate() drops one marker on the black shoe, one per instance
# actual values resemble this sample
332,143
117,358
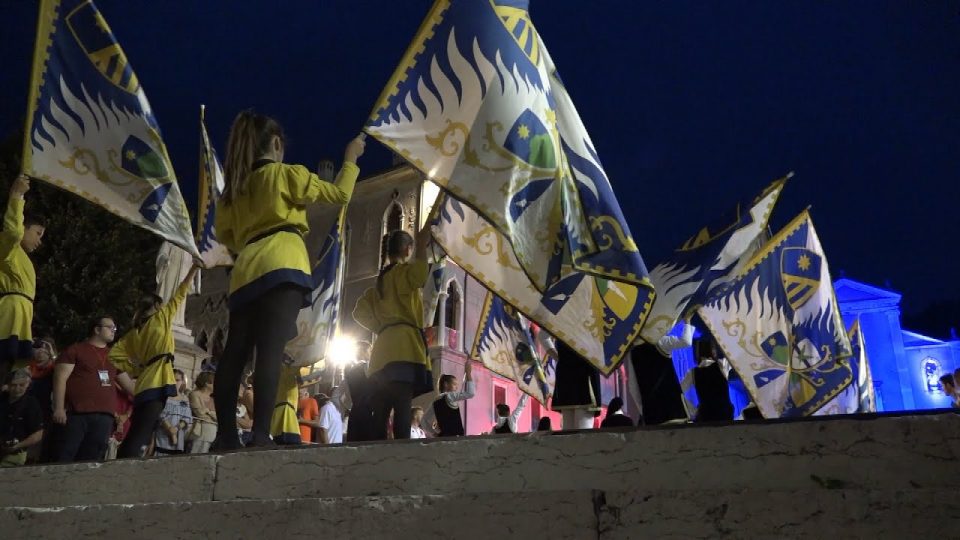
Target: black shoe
261,442
226,444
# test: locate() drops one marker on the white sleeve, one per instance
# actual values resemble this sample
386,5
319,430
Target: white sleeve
517,411
469,388
668,344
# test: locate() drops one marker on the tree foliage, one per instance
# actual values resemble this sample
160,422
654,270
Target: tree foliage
91,262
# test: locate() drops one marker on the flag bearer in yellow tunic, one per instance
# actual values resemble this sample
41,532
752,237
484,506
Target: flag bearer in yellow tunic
262,217
146,352
399,368
21,235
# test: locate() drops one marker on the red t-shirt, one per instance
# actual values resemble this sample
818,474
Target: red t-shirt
308,410
86,393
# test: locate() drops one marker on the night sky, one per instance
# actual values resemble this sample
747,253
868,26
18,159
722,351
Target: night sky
691,105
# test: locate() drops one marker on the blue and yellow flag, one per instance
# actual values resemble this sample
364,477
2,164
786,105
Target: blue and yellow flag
867,399
317,324
476,104
212,182
779,325
90,129
707,260
510,345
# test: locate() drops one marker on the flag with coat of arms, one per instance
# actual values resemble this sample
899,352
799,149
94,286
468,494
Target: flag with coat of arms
211,185
779,325
90,129
477,105
317,323
707,260
510,345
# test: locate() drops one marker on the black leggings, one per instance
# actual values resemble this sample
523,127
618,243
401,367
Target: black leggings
395,396
265,324
143,424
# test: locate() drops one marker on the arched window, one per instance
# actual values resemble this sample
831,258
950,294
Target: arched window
392,220
449,315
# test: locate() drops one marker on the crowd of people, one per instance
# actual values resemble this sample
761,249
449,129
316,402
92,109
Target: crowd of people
120,396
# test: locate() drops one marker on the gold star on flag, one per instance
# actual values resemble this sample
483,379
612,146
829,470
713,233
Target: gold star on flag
803,262
772,342
131,155
523,131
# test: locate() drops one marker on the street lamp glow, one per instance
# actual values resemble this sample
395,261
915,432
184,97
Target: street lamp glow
342,351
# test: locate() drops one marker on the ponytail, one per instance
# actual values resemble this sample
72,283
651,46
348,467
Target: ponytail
147,302
250,138
397,242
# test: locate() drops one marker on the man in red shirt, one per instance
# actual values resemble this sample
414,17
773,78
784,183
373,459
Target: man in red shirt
84,399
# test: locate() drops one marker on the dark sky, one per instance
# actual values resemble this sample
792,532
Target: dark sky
691,105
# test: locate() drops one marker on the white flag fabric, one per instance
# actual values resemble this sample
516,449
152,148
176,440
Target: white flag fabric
90,129
477,105
779,325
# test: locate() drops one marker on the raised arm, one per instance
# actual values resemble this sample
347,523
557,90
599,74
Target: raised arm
13,229
305,187
171,307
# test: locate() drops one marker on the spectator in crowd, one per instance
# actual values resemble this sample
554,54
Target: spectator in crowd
307,413
21,235
244,417
949,387
121,422
176,419
615,416
399,365
445,411
330,423
204,429
147,350
357,394
41,388
84,395
416,417
21,421
545,424
506,422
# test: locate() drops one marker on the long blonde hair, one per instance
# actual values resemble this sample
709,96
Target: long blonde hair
250,138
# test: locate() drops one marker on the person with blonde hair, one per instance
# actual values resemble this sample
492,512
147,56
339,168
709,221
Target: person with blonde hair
262,217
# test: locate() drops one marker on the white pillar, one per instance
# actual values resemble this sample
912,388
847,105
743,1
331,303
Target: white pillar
442,326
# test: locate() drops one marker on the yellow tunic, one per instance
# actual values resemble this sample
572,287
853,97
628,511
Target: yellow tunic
147,352
399,352
277,197
284,425
18,285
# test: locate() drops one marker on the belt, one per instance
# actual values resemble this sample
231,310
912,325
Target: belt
2,294
166,357
271,232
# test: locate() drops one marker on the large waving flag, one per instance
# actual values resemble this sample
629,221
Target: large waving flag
212,182
90,129
707,260
861,366
779,325
508,344
317,323
476,104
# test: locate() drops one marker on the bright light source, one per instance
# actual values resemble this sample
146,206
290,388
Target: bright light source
342,351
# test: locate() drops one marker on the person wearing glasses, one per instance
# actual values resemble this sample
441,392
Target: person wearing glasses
84,399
